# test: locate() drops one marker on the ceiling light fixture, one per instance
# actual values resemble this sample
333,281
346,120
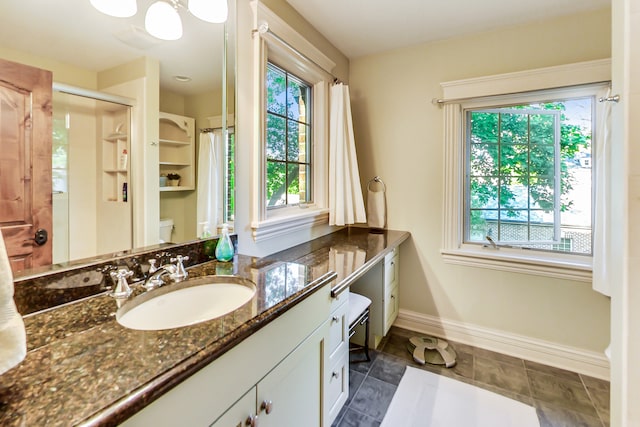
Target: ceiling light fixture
215,11
117,8
182,79
162,19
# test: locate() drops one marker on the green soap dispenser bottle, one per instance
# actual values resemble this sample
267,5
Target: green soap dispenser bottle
224,248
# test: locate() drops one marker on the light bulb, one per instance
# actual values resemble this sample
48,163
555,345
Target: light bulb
117,8
163,21
214,11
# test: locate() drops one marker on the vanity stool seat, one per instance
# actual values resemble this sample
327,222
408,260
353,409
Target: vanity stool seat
359,315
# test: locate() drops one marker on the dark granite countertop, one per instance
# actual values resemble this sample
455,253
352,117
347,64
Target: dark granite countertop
84,368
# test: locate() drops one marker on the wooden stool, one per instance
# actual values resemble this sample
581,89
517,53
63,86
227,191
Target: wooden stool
359,315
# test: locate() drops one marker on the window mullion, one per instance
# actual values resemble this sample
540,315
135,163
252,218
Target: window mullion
557,170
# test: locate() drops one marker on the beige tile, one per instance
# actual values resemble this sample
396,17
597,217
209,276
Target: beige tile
561,392
562,373
506,376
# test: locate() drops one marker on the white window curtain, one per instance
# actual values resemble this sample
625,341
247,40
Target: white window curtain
209,205
346,205
602,220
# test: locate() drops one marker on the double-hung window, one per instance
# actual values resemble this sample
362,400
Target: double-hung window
288,139
520,170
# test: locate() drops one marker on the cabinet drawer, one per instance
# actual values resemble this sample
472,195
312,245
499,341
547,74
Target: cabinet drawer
391,307
337,383
391,267
338,329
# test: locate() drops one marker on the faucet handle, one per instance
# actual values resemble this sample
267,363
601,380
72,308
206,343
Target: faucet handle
122,289
180,273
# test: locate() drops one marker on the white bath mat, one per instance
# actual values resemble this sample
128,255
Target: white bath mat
424,399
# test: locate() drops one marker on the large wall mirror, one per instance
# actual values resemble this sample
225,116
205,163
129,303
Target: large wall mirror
79,44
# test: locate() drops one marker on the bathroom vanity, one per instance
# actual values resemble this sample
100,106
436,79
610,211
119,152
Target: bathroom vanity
283,356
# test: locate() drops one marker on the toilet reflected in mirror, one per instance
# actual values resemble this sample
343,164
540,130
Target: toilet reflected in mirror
166,229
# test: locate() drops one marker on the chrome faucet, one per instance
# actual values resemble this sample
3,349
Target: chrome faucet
176,272
155,279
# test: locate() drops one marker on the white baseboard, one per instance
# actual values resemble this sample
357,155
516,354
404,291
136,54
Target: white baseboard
561,356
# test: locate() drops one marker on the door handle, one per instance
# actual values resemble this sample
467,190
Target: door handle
40,237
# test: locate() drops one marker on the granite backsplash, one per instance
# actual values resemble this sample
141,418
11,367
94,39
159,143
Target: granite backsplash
60,284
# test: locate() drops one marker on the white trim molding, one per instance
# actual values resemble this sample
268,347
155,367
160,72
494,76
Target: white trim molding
559,76
561,356
279,226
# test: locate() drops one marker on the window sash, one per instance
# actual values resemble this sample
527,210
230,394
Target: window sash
288,119
499,209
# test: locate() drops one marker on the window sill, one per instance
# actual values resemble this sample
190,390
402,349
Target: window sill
570,267
289,221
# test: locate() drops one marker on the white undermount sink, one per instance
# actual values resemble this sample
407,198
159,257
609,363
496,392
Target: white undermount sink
186,303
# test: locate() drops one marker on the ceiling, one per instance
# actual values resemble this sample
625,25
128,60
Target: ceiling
73,32
364,27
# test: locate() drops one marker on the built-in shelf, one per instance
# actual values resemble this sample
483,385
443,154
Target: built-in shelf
175,188
115,142
177,150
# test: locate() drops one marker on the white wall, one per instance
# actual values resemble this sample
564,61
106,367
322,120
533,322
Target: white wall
399,136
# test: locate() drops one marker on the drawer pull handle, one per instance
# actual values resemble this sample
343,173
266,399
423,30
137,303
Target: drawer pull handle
252,421
335,374
266,406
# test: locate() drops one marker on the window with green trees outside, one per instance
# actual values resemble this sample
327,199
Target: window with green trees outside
288,139
529,179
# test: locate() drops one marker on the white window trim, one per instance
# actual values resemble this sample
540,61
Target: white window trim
465,93
307,63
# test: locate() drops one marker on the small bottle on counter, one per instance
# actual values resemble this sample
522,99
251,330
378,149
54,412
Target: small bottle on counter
224,248
124,192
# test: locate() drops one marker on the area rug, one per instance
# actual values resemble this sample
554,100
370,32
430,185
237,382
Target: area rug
424,399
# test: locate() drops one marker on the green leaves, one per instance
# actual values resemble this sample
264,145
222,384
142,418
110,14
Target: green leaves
288,144
516,156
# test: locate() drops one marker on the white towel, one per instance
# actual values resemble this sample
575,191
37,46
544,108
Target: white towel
376,209
13,337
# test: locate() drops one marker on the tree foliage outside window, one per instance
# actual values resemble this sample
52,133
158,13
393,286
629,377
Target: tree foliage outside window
528,182
288,139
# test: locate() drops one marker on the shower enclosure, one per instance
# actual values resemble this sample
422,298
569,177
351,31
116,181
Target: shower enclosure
92,209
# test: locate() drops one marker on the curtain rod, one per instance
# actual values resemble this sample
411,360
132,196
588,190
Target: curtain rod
440,101
209,130
264,29
94,94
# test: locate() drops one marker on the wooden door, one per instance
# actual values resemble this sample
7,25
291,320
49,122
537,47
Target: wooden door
25,163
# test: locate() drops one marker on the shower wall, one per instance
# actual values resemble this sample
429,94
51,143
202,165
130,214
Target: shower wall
80,210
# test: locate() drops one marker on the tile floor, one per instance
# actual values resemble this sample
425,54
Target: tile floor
562,398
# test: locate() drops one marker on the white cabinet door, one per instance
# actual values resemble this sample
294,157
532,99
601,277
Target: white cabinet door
241,414
291,394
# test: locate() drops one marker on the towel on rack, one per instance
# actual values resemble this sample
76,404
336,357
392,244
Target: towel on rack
13,338
376,205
